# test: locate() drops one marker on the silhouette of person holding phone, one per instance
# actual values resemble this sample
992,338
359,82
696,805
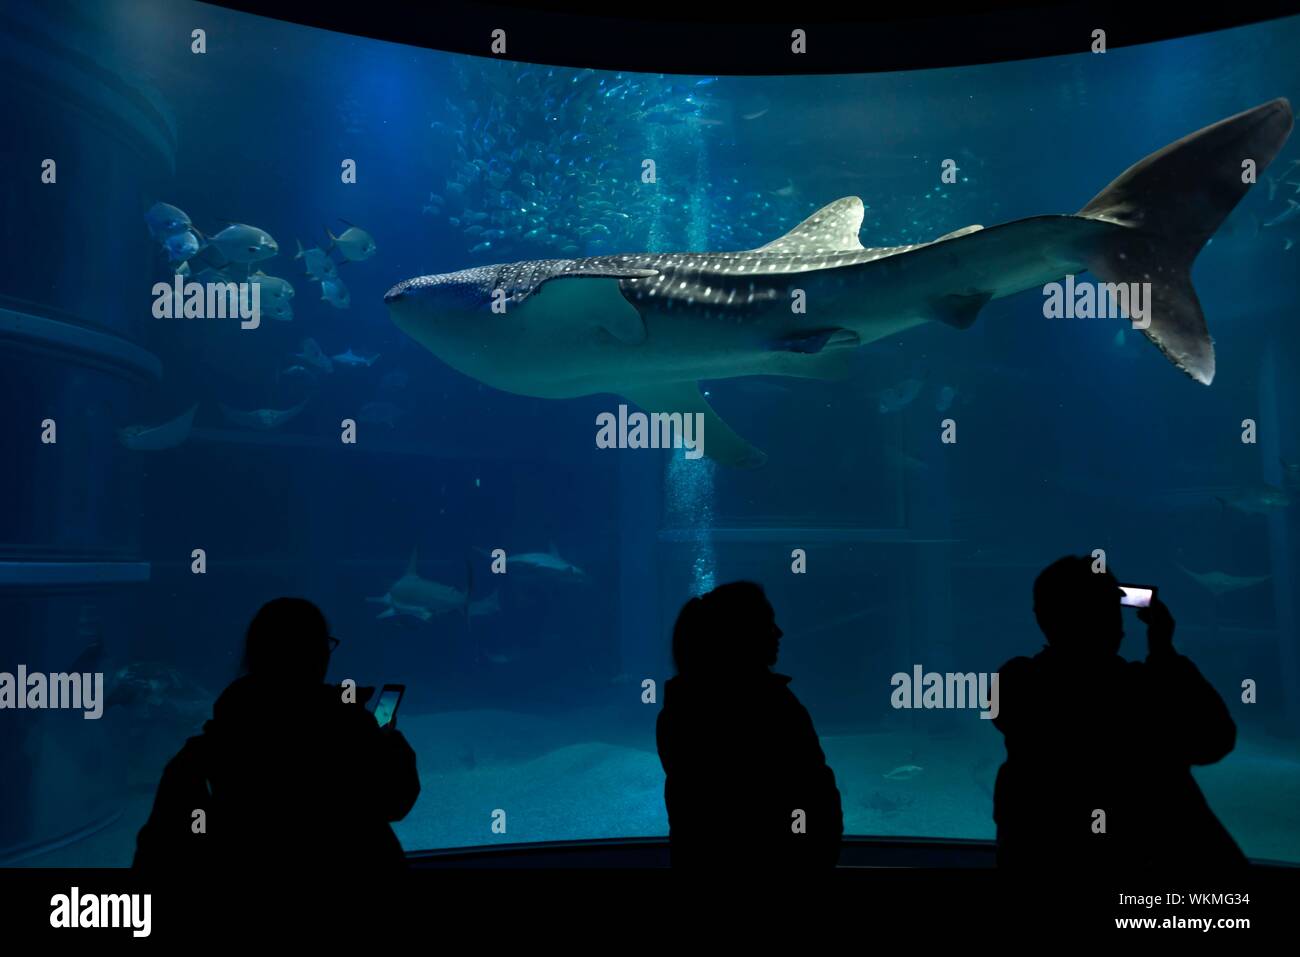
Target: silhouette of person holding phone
1100,749
287,772
747,783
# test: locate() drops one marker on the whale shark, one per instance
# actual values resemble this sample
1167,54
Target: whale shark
649,326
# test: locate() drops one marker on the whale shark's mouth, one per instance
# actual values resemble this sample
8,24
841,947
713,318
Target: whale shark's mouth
400,290
450,284
467,287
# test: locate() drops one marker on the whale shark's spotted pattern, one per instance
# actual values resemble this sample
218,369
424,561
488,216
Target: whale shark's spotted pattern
650,326
826,240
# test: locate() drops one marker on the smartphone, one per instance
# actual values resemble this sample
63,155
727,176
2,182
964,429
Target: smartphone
1137,596
386,704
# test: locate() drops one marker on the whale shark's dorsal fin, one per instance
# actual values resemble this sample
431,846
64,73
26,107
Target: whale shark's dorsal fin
832,229
415,558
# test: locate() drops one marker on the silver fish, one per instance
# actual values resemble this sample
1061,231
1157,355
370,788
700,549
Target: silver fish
355,243
244,244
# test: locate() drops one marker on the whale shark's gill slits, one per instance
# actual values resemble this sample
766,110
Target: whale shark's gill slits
470,288
522,280
476,288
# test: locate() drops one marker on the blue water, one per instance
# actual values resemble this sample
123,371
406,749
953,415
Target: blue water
1073,435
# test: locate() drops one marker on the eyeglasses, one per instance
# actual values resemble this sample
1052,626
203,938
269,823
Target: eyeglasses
334,643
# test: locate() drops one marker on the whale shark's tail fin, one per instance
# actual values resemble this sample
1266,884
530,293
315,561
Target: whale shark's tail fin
1173,201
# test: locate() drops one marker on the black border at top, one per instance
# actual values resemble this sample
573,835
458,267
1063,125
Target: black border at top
725,37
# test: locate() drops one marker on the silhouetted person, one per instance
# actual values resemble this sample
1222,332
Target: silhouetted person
739,750
288,774
1087,731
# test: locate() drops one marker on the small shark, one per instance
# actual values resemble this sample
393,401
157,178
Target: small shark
548,562
263,420
353,360
1220,583
903,772
153,438
1261,500
420,598
649,326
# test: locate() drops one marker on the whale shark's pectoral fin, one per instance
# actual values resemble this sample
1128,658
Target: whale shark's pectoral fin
387,613
816,340
625,325
816,354
959,311
592,298
717,439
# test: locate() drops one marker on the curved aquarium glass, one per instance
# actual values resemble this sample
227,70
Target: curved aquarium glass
894,472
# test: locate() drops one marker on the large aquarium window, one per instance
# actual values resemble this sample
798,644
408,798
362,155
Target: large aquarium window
387,449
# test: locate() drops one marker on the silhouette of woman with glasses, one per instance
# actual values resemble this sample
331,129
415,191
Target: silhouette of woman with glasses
289,771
